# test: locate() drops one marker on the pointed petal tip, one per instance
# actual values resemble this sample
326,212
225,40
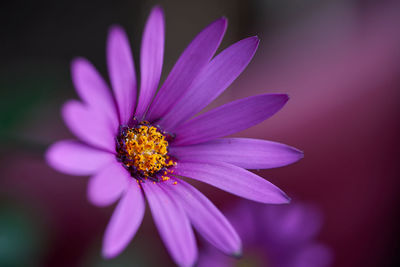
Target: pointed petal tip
285,97
299,153
115,29
239,251
115,32
108,254
282,199
255,38
78,60
223,21
157,10
252,39
285,198
238,254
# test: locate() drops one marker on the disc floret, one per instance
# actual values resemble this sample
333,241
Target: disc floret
143,150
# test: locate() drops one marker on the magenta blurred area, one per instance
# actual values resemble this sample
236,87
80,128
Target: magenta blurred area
339,61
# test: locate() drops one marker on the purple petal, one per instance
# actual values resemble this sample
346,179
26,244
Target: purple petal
243,152
242,217
90,126
173,225
122,72
195,57
92,89
124,222
212,81
74,158
108,184
233,179
206,218
151,59
230,118
316,255
294,224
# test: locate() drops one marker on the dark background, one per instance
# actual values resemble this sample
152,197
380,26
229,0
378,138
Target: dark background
338,60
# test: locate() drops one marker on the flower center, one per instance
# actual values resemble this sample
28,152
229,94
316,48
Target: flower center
143,150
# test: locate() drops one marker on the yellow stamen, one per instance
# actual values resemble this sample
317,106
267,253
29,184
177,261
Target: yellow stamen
148,149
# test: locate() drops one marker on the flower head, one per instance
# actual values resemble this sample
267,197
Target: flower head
275,236
137,150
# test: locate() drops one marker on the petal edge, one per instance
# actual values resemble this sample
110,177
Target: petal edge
124,222
234,180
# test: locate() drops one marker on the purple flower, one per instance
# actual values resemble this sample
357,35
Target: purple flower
141,149
274,236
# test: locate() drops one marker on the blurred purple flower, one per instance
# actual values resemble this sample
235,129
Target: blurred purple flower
140,150
274,236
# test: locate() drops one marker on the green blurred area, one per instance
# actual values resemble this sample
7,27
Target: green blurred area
23,91
26,93
21,236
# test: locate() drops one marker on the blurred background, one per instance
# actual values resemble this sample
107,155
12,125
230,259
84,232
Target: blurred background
339,61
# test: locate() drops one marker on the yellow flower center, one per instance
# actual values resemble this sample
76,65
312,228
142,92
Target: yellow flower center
144,152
